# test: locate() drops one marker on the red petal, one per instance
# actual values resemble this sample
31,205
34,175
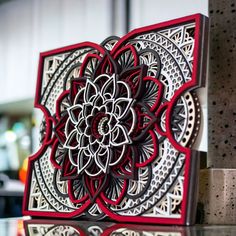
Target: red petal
60,128
108,191
159,114
68,170
90,61
76,85
129,54
159,92
126,168
145,121
72,190
134,78
155,152
59,103
94,186
53,157
106,66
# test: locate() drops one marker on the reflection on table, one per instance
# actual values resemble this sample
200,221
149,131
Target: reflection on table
73,228
47,227
69,228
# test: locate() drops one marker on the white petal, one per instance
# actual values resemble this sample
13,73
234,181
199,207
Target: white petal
108,143
82,163
120,157
71,159
94,153
78,126
85,108
71,136
71,110
134,120
103,167
88,96
78,95
122,106
82,144
109,88
109,105
120,136
128,90
93,174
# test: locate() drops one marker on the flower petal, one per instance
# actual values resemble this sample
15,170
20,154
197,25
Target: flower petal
106,66
94,186
125,169
71,141
77,85
69,171
83,161
95,147
79,98
148,149
122,107
152,59
98,101
124,89
91,91
145,121
87,109
115,191
57,154
127,57
153,93
117,155
120,136
77,191
81,126
109,106
62,103
102,159
134,78
106,140
74,113
109,89
83,141
89,64
60,128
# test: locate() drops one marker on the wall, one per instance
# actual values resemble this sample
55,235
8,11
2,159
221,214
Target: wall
32,26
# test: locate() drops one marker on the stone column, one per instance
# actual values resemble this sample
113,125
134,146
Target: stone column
217,184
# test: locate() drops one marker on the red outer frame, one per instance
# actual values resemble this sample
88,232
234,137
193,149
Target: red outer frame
194,83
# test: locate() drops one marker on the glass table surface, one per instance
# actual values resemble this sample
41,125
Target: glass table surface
38,227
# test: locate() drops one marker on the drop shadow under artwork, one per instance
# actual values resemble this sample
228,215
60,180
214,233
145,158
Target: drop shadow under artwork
120,120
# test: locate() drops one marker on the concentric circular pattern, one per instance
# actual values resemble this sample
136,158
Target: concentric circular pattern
119,121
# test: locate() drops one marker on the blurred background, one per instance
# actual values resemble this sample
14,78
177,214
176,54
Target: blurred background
29,27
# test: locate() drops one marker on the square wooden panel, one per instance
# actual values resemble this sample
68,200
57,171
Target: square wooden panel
120,119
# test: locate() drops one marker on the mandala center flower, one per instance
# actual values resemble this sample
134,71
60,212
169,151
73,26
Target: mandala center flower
103,126
100,125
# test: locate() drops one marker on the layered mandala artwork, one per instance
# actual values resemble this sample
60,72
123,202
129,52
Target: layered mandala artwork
120,119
